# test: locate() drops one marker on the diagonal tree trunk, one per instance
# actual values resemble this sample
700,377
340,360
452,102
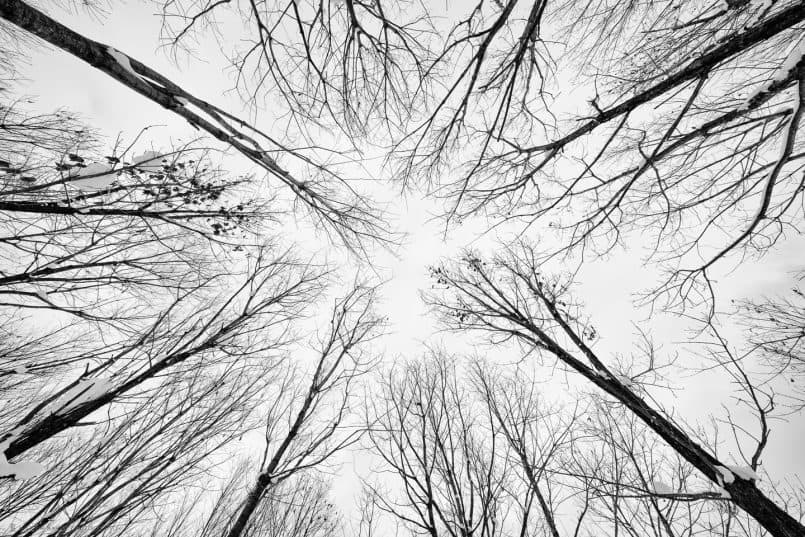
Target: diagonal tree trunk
26,437
349,217
480,297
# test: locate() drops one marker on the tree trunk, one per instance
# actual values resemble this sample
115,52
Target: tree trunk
744,493
151,84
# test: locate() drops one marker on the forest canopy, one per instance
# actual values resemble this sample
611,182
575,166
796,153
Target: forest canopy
501,268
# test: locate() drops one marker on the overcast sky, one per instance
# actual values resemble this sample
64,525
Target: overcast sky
58,80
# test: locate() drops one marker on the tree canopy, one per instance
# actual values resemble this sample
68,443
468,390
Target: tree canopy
197,329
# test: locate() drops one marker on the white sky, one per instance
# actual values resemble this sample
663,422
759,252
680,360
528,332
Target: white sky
59,80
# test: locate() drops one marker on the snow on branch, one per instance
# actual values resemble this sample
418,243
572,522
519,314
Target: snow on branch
18,470
334,204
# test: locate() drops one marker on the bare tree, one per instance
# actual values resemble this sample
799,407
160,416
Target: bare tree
636,485
172,323
577,469
83,232
509,298
110,478
675,122
539,435
252,319
777,329
687,129
595,467
343,64
453,472
681,126
145,263
299,506
304,427
331,199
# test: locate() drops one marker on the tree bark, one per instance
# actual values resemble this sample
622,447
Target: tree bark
266,478
744,493
152,85
54,424
696,68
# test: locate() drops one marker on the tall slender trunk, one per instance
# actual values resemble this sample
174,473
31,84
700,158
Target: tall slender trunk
137,76
54,424
267,475
744,493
